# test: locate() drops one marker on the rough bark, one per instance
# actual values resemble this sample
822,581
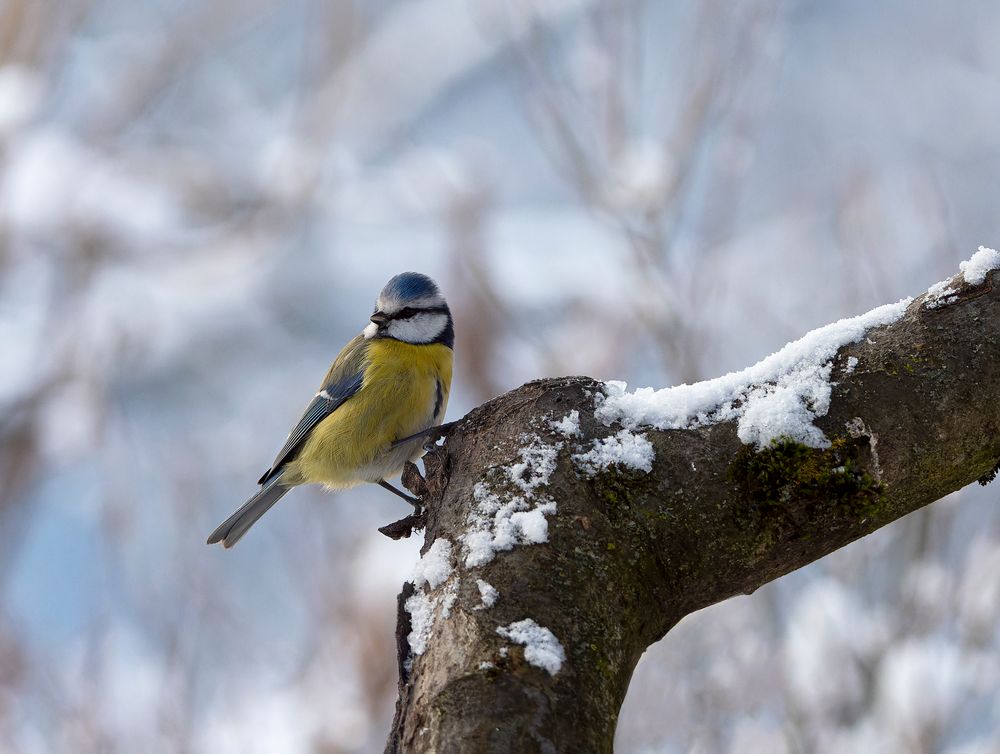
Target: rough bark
629,553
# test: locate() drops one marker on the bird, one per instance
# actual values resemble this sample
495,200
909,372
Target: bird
384,391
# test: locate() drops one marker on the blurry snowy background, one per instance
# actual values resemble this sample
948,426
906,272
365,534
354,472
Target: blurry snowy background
198,204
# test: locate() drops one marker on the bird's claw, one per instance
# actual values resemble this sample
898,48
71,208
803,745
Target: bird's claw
414,482
430,435
437,433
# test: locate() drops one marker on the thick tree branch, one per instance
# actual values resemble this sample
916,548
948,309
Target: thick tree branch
629,552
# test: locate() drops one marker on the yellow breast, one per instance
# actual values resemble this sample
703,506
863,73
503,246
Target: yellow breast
403,384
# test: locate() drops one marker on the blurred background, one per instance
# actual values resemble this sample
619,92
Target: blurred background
198,204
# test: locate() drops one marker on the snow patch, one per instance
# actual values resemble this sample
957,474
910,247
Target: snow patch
487,593
974,272
541,648
633,451
448,599
431,571
497,524
982,262
421,608
569,425
779,396
434,566
940,294
537,463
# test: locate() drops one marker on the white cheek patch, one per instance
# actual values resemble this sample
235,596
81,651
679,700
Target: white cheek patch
369,331
420,328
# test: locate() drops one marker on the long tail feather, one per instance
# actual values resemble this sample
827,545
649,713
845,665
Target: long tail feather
233,528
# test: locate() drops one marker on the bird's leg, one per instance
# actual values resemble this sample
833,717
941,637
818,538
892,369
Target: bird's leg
431,435
417,505
418,519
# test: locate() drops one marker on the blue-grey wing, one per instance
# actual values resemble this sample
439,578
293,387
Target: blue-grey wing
328,400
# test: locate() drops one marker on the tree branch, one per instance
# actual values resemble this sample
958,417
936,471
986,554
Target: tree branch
628,553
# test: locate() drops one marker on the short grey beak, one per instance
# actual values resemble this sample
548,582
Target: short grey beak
380,318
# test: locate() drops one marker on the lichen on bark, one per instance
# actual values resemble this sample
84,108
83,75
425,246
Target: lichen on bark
790,485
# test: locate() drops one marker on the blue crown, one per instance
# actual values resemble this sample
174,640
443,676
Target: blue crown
409,285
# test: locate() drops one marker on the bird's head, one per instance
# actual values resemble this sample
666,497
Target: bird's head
411,308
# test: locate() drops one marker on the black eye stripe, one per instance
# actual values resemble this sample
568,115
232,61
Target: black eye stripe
410,312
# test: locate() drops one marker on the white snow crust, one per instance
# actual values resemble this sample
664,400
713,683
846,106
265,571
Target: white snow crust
569,425
497,523
434,566
449,598
430,572
487,593
982,262
940,294
421,608
974,272
779,396
541,648
626,448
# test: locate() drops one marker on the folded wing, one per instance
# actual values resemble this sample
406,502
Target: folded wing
324,403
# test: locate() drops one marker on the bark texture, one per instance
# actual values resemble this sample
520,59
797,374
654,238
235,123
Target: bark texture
630,553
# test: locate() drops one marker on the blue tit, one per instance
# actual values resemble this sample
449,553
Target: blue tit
390,383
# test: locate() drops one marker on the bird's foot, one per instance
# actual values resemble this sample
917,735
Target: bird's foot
434,434
431,435
415,502
414,481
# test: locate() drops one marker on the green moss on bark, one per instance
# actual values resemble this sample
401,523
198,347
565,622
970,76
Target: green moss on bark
787,487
